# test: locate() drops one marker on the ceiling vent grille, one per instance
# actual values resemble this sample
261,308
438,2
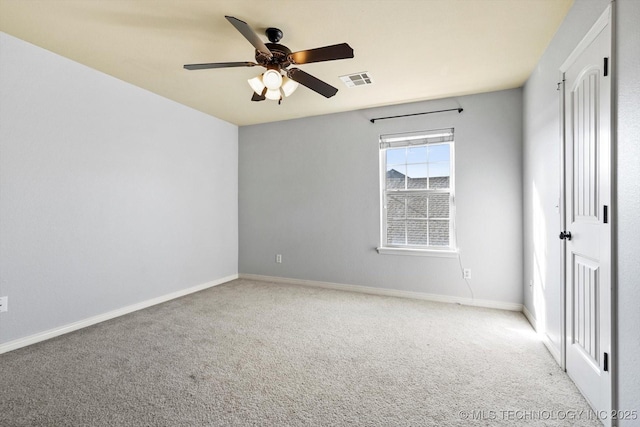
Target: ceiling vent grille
357,79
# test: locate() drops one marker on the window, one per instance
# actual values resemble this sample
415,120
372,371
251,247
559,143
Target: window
417,191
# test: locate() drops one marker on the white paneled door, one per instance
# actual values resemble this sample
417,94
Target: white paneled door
587,234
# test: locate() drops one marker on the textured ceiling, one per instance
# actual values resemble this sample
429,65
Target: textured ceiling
413,49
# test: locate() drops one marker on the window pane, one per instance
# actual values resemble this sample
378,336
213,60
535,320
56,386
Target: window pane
418,232
439,182
417,155
395,176
396,156
438,233
417,205
439,153
396,233
396,207
439,206
439,174
439,169
417,176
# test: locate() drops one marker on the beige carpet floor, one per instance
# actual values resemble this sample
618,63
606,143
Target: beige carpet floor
254,353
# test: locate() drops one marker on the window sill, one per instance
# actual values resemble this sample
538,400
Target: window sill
443,253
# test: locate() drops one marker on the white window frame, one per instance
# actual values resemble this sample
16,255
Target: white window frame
417,139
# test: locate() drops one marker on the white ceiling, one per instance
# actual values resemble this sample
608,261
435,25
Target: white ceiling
414,49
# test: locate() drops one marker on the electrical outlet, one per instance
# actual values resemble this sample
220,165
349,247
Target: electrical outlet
4,304
279,258
466,273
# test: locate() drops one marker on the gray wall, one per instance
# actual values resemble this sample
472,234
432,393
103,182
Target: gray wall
541,173
110,195
309,190
628,39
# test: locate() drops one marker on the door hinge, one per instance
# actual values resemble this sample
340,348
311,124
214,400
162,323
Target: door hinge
606,67
606,362
605,214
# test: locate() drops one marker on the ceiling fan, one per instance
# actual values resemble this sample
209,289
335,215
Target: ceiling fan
278,80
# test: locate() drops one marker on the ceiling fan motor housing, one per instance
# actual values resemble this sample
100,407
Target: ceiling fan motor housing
280,56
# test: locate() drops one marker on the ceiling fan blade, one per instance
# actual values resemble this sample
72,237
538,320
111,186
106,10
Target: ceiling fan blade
250,35
260,97
326,53
311,82
219,65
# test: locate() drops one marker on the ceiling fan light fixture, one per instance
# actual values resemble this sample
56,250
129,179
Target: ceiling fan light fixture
288,86
272,79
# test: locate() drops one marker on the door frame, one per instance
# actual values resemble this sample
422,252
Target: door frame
607,17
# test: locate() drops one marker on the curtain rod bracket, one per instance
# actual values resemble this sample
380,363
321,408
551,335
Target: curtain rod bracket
459,110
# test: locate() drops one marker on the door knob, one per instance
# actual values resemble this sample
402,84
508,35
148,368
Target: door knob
565,235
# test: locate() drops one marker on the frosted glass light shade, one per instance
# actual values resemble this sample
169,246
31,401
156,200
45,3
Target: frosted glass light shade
288,86
272,79
256,84
273,95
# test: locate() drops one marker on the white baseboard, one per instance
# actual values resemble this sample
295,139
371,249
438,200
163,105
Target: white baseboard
51,333
532,320
555,352
388,292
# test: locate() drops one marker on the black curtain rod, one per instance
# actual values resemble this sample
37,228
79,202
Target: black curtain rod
459,110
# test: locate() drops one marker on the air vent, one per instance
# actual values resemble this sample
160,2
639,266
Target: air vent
357,79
